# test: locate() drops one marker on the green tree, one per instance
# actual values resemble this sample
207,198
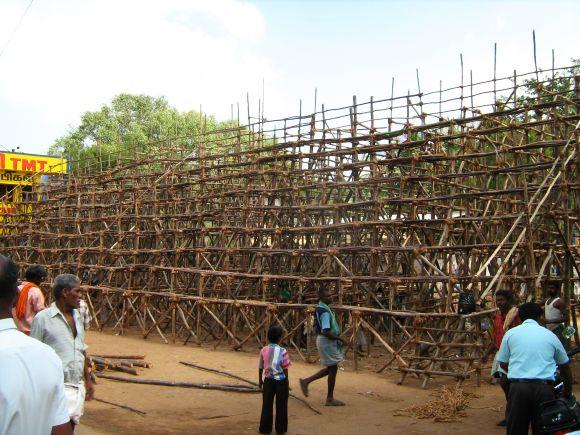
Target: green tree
545,89
133,124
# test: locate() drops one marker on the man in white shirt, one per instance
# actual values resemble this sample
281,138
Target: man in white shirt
85,315
555,312
61,327
32,399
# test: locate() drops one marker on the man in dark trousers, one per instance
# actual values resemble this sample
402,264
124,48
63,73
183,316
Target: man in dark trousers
530,354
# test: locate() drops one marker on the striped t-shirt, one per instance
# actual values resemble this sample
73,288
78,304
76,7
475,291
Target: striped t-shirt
273,360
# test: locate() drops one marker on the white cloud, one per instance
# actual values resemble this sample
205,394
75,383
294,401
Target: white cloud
241,20
72,56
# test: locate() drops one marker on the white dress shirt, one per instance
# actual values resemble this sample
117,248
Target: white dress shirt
32,398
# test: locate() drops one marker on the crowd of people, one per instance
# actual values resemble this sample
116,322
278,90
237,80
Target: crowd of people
44,366
45,372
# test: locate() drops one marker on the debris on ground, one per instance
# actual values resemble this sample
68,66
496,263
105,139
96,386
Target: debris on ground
448,405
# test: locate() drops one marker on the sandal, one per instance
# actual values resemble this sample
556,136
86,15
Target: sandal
334,402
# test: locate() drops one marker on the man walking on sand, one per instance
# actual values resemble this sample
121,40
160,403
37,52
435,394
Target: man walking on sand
61,328
329,346
32,399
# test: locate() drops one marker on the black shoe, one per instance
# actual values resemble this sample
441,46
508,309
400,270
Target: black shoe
502,423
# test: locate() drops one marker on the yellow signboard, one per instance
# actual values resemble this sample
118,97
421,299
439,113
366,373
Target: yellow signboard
31,164
16,178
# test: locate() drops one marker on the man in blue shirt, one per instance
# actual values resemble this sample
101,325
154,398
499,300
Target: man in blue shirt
530,354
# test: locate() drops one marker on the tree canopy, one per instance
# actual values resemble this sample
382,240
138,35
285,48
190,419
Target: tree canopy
133,124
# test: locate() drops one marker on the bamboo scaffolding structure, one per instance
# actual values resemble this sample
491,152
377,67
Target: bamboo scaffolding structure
397,204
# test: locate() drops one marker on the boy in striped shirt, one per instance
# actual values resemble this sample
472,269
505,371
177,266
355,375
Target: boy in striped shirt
274,361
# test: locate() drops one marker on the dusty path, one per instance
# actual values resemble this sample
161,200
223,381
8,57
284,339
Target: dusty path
371,398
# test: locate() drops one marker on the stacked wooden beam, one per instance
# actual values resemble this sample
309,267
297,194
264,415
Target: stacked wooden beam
119,363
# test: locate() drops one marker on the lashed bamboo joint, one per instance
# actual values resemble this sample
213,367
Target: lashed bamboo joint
397,204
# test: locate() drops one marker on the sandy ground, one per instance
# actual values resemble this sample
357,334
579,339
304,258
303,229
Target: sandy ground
371,398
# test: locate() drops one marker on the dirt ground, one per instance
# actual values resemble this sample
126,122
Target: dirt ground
371,398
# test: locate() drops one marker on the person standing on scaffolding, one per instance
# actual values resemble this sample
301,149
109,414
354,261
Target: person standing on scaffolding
329,346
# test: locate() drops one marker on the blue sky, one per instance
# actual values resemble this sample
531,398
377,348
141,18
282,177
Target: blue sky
68,56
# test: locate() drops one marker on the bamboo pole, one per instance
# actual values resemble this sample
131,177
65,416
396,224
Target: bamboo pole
163,383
